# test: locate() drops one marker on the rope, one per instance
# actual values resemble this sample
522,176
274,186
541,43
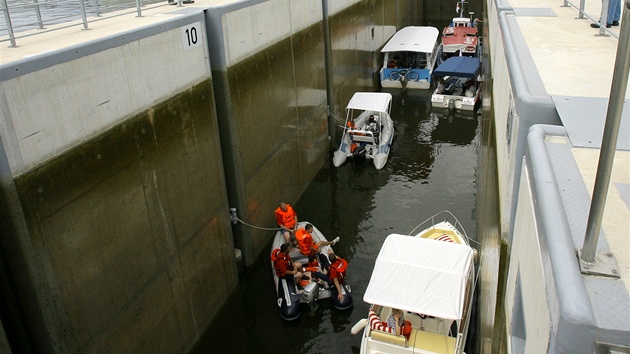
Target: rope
336,117
256,227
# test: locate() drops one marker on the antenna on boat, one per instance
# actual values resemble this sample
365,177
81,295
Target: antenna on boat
460,8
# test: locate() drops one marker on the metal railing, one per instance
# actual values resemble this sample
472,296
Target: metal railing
19,16
603,16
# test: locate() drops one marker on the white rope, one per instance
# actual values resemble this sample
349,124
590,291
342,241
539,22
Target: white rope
256,227
336,117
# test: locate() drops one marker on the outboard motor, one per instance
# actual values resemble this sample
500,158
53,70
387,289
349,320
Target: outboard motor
451,104
310,294
360,152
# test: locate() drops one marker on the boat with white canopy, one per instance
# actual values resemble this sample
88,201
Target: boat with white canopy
368,129
409,58
431,278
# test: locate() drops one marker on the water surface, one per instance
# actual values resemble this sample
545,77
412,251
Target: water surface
432,167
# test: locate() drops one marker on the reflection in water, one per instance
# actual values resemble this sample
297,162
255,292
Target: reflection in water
432,167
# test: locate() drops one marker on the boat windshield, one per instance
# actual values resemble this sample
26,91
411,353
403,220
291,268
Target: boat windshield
410,60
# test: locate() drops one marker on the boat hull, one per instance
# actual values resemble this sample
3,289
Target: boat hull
457,102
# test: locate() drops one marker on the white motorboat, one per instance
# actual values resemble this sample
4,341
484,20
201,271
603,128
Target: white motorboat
458,84
409,58
368,129
430,277
291,294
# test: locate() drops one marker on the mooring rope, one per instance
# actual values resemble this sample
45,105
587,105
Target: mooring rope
254,226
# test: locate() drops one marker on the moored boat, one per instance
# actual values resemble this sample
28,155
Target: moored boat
430,277
409,58
458,84
368,129
460,37
291,294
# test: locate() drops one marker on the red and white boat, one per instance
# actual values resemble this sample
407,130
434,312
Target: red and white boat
461,37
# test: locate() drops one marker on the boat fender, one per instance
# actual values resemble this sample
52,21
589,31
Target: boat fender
358,327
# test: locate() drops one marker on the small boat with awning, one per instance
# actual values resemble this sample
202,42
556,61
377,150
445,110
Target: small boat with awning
431,277
458,84
409,58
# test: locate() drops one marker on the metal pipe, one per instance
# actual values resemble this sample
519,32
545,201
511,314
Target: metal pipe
138,9
7,19
609,139
329,78
38,13
83,15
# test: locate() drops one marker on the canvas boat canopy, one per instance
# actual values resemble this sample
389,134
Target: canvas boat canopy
459,67
371,101
420,275
413,39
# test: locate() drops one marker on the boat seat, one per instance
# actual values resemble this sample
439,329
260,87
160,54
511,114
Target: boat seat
362,136
388,337
297,256
432,342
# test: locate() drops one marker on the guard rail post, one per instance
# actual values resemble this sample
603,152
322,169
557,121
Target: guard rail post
83,15
38,13
7,19
588,260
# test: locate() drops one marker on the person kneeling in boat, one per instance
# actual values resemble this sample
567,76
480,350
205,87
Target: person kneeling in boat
398,323
307,246
284,266
336,273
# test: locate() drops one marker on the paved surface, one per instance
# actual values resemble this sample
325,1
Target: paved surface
576,64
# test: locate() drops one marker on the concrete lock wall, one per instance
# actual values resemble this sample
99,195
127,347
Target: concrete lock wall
121,158
120,235
270,78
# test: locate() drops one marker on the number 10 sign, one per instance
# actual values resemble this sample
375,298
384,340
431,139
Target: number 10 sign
191,36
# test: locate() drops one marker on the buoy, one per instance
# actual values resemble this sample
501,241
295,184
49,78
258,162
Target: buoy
358,327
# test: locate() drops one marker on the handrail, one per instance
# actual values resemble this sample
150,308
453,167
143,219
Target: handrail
603,16
36,15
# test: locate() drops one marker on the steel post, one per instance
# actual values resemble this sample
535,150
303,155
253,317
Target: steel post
609,140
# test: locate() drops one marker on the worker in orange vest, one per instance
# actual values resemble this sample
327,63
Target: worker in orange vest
287,221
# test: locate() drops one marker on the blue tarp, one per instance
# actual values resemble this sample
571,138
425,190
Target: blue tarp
459,67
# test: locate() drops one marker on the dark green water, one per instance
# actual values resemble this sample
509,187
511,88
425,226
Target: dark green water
432,167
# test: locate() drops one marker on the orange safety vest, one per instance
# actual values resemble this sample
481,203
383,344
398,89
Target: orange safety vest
281,262
286,218
305,241
338,270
